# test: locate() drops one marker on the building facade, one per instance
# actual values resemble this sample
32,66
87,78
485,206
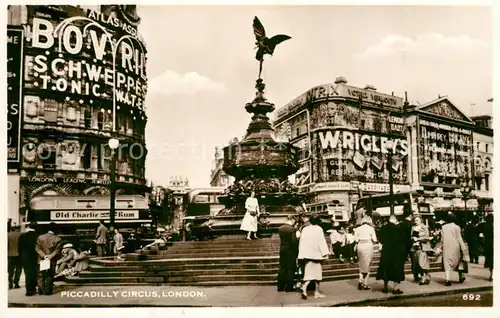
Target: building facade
179,187
443,146
483,160
343,132
83,82
218,178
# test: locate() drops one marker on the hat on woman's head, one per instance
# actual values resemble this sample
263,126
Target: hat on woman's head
367,220
68,245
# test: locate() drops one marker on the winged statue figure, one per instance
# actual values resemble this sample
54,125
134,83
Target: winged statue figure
265,45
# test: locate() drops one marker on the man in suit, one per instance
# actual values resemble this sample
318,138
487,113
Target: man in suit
101,238
406,226
48,246
29,258
288,255
14,263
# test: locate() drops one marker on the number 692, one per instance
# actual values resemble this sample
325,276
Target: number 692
471,297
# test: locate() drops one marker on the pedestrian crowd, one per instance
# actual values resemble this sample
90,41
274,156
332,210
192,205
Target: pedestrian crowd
46,257
304,248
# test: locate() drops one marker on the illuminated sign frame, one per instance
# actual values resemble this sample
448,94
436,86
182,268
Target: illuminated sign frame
15,76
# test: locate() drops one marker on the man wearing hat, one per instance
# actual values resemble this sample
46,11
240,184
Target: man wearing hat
68,256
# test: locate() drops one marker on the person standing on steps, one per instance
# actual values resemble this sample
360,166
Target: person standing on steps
288,255
250,220
14,263
101,238
29,258
118,246
453,249
365,237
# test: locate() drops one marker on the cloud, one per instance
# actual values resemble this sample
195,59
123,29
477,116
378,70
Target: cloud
424,45
170,83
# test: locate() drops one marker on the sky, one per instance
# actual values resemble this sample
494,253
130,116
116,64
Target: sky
202,67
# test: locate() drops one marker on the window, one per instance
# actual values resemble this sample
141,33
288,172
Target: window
100,120
486,147
50,110
88,118
363,122
87,156
487,182
477,146
99,156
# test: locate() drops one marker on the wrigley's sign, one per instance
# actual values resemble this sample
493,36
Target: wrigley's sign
369,143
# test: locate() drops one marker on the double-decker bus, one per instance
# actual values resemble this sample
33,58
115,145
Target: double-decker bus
334,209
199,206
77,217
381,204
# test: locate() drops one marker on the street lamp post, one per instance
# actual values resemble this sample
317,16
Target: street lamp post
466,190
113,144
389,146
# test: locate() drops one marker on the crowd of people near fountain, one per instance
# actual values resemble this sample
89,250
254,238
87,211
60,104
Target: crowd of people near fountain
45,257
304,248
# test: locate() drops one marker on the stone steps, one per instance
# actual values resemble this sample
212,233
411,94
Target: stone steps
221,262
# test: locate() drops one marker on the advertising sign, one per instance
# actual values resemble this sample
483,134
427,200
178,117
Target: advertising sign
445,152
361,156
15,55
327,91
92,215
81,57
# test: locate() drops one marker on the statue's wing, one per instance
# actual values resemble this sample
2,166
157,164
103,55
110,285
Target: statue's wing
258,29
277,39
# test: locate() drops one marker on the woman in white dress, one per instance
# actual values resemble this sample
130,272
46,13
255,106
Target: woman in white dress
365,237
250,220
313,249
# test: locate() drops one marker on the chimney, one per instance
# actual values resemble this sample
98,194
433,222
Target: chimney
392,93
370,87
340,80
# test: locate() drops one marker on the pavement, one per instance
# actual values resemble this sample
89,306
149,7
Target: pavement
338,293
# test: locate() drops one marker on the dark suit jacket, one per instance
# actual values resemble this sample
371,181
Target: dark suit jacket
27,248
13,241
406,232
288,238
48,244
